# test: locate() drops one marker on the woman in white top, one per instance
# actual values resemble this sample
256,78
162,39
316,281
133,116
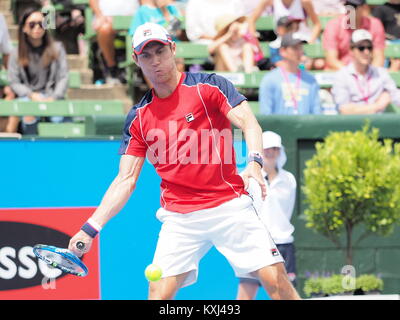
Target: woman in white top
299,9
276,210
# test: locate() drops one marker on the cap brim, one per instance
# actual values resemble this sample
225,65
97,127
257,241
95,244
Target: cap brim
294,43
138,49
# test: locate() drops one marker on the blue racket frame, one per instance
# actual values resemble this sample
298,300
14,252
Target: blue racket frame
66,254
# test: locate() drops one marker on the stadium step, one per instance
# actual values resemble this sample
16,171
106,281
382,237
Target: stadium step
8,17
13,30
76,61
98,92
5,5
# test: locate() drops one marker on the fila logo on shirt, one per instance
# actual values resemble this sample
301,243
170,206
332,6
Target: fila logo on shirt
189,117
275,252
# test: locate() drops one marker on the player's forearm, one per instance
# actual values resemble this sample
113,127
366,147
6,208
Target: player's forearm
253,135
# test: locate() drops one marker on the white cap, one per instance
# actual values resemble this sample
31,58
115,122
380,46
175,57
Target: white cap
360,35
270,140
147,33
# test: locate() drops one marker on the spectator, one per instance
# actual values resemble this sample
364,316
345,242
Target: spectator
5,50
288,89
70,23
276,210
328,8
233,48
361,88
201,16
37,69
104,10
283,26
338,31
162,12
299,9
389,14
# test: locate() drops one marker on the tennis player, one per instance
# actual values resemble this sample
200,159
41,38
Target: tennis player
183,126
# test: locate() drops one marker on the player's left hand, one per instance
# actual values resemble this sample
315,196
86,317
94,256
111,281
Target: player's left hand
253,170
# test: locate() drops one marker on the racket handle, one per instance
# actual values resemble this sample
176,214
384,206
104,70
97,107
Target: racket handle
80,245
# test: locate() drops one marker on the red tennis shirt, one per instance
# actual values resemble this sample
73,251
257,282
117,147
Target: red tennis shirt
188,139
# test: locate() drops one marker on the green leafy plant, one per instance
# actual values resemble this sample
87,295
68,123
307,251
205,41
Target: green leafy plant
369,282
313,286
334,285
353,179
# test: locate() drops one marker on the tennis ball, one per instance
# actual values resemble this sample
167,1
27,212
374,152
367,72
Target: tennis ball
153,272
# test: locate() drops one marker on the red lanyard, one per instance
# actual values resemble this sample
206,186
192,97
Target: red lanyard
289,85
365,95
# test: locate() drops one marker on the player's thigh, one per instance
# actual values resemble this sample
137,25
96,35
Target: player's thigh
166,288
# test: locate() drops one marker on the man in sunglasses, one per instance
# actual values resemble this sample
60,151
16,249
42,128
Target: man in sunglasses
338,31
361,88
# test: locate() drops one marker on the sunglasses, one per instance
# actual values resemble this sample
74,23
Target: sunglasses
32,24
362,48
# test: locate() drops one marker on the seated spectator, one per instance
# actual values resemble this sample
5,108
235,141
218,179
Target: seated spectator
103,11
338,31
360,88
162,12
389,14
37,69
328,8
283,26
299,9
288,89
5,49
234,48
201,16
70,23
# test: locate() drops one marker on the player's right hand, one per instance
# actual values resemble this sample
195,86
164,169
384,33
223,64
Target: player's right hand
81,236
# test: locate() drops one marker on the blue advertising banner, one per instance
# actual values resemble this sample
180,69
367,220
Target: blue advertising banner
76,173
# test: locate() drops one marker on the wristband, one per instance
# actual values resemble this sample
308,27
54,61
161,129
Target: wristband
255,156
91,228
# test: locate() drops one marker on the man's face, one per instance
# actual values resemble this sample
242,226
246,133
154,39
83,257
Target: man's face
157,61
362,52
271,156
293,53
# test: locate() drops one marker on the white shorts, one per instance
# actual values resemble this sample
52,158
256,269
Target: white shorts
234,228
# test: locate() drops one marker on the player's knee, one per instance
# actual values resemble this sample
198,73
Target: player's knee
160,291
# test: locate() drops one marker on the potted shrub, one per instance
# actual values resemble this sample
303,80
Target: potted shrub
369,284
353,179
313,287
333,286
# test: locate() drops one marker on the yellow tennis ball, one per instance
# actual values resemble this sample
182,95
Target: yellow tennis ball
153,272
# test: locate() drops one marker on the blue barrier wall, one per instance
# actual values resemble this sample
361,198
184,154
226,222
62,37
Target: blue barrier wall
73,173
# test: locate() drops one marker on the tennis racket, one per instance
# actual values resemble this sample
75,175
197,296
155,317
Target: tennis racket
62,259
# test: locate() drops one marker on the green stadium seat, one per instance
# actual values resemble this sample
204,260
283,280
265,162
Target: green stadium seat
396,77
122,23
376,2
266,23
62,130
72,108
74,80
314,50
392,51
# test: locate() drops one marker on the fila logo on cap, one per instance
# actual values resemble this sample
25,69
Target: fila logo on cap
146,33
189,117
